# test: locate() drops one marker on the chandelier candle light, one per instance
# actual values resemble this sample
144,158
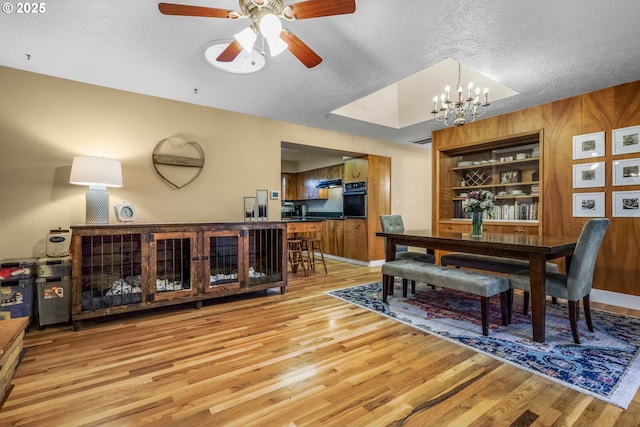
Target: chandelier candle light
456,113
477,203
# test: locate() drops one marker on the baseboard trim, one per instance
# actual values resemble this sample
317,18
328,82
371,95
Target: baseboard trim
615,298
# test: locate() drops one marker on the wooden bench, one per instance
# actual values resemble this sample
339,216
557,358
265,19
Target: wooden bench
495,264
482,284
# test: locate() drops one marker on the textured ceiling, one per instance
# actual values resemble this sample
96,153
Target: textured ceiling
544,50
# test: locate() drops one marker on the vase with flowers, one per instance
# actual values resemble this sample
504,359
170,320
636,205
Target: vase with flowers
476,204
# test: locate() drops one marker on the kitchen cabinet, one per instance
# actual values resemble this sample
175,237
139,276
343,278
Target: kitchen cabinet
309,228
331,173
289,186
122,268
355,239
306,186
356,169
302,185
333,237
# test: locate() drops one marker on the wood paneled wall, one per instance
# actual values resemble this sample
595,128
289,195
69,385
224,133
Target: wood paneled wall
618,268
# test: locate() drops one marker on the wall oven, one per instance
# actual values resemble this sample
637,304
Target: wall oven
354,199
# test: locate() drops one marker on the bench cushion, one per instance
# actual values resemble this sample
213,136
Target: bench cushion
416,256
490,263
482,284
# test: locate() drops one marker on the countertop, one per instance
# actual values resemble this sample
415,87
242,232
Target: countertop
309,218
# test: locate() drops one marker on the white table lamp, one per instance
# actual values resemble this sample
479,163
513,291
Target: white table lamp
98,173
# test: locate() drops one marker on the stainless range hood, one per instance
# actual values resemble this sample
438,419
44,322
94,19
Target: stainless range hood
330,184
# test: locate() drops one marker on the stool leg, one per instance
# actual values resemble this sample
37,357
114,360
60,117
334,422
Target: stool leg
295,257
324,264
307,252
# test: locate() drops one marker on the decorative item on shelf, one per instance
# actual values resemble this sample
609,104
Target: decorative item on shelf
249,209
476,178
125,212
477,203
261,201
456,112
98,173
510,177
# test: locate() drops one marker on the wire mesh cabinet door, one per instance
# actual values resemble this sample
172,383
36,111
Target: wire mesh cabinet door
107,273
224,270
174,264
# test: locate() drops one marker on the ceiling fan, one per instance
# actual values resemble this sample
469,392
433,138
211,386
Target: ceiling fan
265,16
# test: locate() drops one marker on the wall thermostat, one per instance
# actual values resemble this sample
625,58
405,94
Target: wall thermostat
125,212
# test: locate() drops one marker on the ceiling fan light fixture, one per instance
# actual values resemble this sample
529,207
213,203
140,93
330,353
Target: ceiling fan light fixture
244,63
246,38
276,45
270,26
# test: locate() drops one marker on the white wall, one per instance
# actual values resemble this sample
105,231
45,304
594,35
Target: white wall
45,121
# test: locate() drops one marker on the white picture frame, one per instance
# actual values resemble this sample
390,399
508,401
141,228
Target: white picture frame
588,146
626,172
626,204
275,195
588,175
626,140
588,205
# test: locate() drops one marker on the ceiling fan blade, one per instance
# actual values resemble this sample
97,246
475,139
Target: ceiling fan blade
300,50
317,8
185,10
230,53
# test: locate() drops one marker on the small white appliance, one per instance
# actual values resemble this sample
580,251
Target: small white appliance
58,242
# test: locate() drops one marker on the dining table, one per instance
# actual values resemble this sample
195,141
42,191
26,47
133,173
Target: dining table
536,249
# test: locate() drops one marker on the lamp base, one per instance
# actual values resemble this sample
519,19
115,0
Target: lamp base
97,210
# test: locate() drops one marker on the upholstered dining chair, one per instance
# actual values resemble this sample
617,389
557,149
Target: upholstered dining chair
576,284
393,224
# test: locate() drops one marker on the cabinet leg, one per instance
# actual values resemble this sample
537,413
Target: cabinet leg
282,290
77,325
198,305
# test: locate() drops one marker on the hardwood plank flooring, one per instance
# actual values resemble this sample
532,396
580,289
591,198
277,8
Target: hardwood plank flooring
298,359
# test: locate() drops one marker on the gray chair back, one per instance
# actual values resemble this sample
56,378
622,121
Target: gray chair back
583,262
393,224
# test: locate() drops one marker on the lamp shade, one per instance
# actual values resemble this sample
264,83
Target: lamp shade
96,172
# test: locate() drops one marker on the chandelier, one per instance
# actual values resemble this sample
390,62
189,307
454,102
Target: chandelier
462,110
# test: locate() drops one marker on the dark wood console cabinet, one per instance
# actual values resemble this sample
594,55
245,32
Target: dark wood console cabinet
121,268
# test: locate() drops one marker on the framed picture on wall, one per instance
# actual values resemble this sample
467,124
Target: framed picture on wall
588,146
588,204
626,203
262,199
275,195
249,208
626,172
588,175
626,140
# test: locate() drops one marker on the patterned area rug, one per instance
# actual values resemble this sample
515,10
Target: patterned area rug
606,364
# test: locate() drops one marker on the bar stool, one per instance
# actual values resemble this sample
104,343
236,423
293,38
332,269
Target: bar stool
296,258
311,245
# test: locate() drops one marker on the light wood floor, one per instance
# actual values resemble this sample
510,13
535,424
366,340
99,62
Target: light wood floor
303,358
